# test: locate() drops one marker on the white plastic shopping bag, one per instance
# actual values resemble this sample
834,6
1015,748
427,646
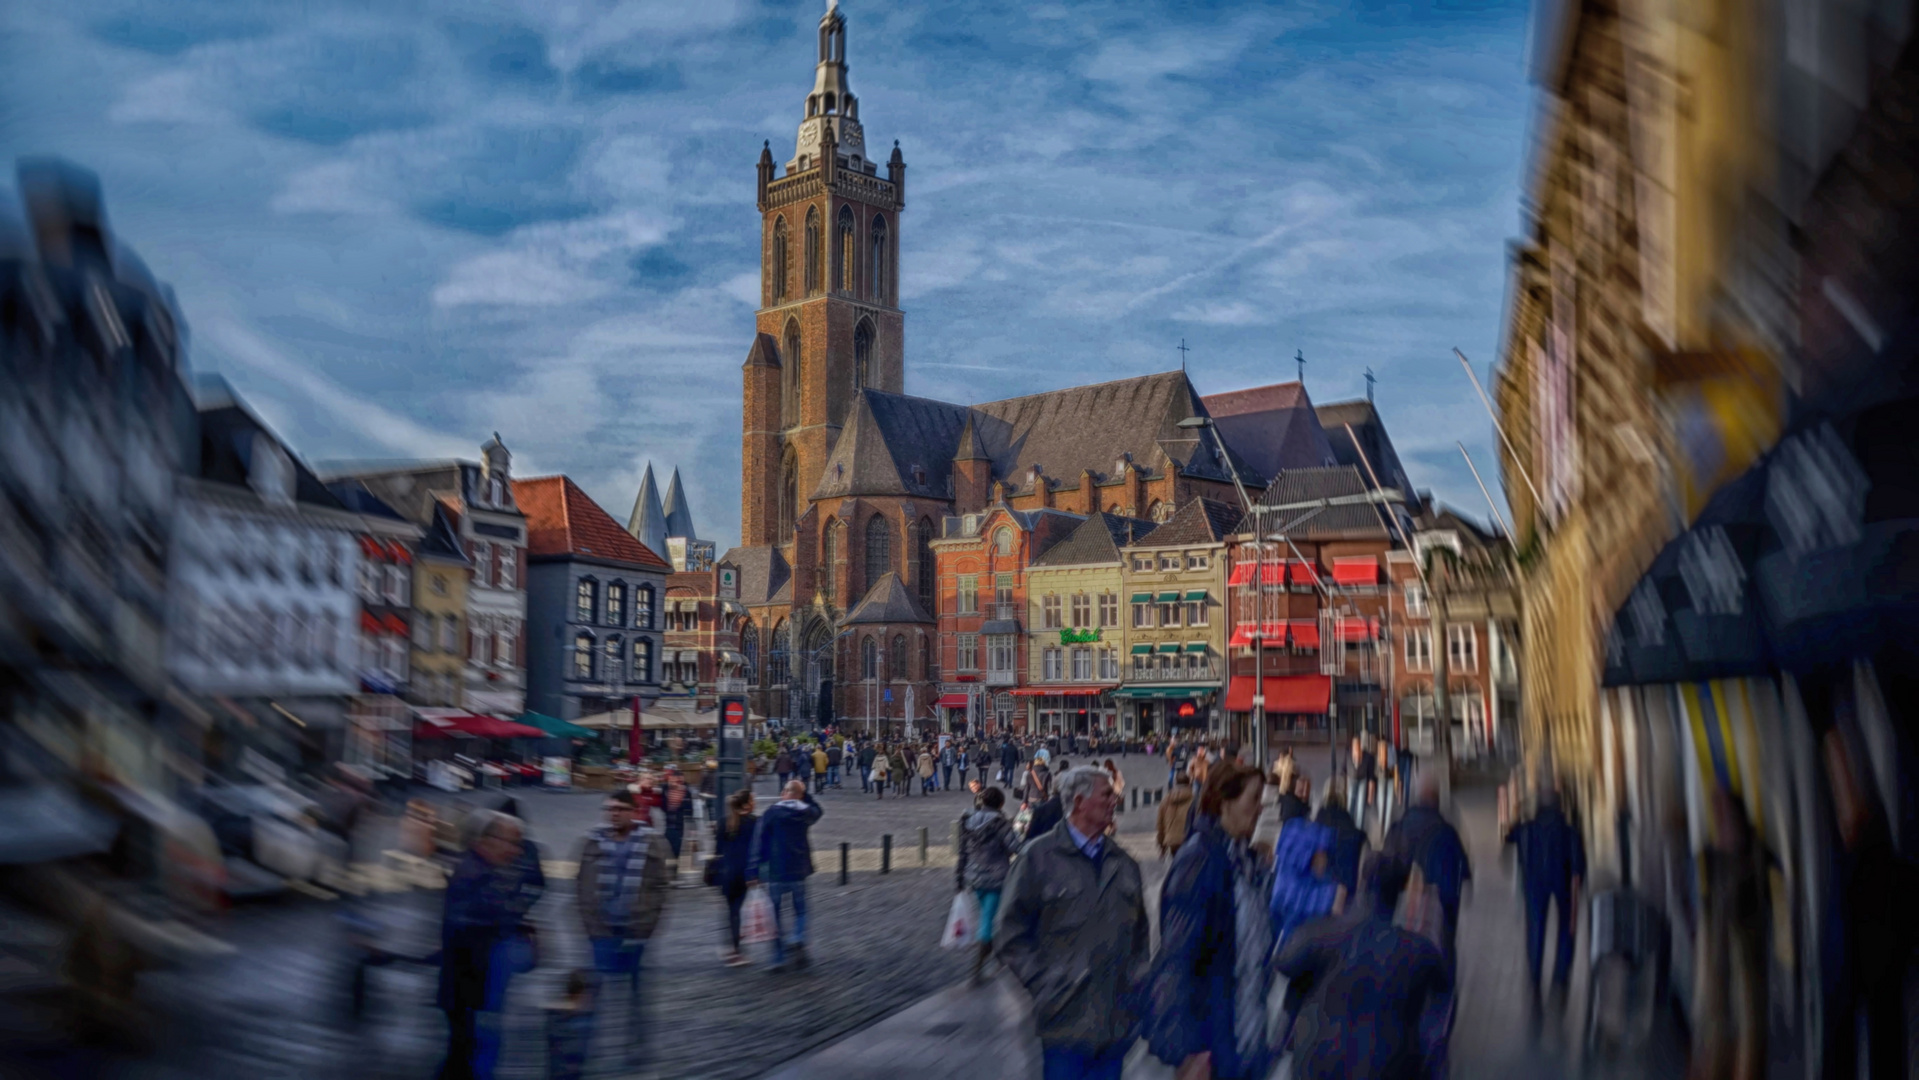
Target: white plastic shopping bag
756,918
962,921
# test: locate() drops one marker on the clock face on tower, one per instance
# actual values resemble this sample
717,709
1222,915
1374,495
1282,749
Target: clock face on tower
850,136
809,133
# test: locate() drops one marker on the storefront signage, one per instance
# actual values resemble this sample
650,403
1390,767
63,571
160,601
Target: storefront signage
1078,637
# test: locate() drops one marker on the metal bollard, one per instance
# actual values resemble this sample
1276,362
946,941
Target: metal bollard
1135,798
846,859
922,845
886,853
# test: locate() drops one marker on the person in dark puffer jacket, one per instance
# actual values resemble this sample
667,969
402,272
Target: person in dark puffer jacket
986,848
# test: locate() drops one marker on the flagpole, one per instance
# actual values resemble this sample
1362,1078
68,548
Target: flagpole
1518,465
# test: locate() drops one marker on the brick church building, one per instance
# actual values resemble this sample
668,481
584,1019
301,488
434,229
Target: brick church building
847,481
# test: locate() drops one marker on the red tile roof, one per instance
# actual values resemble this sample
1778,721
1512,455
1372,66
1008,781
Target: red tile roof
562,520
1286,395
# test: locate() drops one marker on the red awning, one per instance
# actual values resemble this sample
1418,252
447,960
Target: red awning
1242,574
1054,691
394,624
1356,571
368,623
1284,694
480,726
370,547
1356,629
1304,632
399,552
952,701
1301,573
1242,637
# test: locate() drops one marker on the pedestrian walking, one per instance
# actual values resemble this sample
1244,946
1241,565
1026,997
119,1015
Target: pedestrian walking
1206,1000
676,804
986,849
1379,997
877,772
1008,761
803,766
734,841
1552,860
866,756
947,760
820,764
620,890
1046,814
1172,815
783,858
1073,929
1349,843
783,765
1426,841
901,771
477,924
926,766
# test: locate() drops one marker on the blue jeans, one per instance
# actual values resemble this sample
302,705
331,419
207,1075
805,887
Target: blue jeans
866,778
833,775
796,892
1537,901
618,959
946,777
988,913
1058,1063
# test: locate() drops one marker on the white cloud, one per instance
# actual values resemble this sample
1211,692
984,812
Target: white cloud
552,263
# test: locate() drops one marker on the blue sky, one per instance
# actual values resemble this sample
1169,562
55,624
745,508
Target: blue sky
398,227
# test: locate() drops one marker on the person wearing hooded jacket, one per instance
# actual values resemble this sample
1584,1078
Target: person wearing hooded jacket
986,848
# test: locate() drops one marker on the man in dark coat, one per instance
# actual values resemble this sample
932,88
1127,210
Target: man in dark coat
783,859
1008,761
1552,860
478,917
867,754
1378,1005
1425,839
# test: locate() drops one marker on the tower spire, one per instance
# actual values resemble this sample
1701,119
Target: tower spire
832,110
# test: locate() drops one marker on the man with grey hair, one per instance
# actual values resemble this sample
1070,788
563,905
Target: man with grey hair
1073,928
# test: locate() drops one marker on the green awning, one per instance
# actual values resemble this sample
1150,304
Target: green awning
1164,691
1195,646
1142,650
1196,594
1169,598
555,726
1169,646
1142,598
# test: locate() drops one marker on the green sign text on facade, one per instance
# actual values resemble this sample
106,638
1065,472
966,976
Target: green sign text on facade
1076,637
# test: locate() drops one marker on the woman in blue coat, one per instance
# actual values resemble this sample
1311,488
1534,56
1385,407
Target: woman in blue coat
1206,1005
735,844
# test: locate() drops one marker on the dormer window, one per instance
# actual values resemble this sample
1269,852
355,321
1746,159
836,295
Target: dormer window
495,491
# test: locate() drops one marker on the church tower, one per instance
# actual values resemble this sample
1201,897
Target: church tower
829,321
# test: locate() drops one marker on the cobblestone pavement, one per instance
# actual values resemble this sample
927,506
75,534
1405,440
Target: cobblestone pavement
278,1007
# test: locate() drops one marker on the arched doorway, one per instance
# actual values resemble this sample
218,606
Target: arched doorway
815,665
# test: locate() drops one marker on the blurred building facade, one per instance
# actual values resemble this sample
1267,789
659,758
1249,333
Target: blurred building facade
1708,386
96,427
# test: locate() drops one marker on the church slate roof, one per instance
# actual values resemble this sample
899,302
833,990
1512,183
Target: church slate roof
885,438
647,523
1371,430
1200,521
1064,432
764,575
888,601
679,516
1305,485
1067,432
1096,541
765,352
562,520
1271,427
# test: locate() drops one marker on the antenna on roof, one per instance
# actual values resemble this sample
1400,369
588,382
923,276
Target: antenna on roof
1369,385
1299,357
1182,354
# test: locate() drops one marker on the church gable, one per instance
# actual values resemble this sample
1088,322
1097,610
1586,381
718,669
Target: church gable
894,445
1092,428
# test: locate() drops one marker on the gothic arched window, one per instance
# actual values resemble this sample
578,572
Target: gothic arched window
812,250
898,659
789,494
777,270
829,557
790,364
1003,541
928,569
879,548
750,648
876,262
863,354
870,658
845,257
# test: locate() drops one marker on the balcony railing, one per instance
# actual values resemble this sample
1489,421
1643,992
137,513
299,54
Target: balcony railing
1207,672
1003,611
1002,678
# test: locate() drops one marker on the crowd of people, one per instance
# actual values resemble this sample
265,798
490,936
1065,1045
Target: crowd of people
1283,927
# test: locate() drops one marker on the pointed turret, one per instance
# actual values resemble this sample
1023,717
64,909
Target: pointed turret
832,123
648,523
970,448
679,516
972,470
